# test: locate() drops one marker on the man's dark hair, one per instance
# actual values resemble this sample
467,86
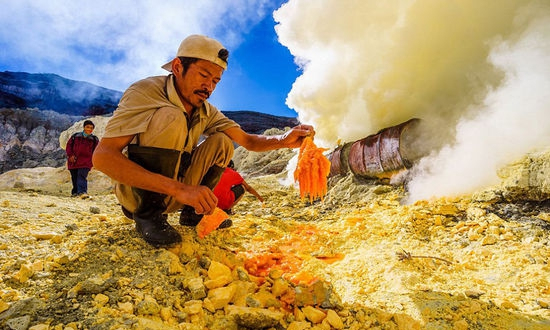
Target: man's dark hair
88,122
186,62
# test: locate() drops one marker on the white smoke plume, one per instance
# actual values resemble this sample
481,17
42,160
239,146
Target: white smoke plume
476,72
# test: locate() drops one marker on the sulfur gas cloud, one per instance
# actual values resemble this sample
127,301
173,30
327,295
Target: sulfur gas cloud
477,73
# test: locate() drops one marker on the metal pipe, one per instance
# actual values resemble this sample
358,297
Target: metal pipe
380,155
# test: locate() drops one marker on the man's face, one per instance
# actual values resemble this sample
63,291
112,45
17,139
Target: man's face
197,84
88,129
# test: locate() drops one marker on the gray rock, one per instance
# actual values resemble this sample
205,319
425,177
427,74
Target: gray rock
255,318
19,323
21,308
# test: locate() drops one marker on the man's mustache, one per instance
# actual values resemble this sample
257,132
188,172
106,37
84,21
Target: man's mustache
204,92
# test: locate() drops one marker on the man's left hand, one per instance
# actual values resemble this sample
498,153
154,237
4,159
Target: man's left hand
296,135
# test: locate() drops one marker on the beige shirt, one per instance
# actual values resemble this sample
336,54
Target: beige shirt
143,111
143,98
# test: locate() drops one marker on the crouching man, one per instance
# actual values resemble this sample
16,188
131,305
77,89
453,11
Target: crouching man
150,146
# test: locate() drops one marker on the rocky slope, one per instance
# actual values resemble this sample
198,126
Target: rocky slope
30,138
357,260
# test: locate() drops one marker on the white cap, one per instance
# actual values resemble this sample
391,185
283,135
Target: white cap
202,47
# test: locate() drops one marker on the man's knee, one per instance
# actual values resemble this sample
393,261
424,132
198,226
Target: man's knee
221,140
221,146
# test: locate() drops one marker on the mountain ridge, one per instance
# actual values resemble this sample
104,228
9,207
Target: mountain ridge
49,91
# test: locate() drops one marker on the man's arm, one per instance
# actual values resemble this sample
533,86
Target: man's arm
253,142
109,159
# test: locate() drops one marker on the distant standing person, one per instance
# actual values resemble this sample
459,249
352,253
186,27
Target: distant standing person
231,188
80,147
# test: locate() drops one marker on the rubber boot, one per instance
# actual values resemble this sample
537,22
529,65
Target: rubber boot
188,217
151,222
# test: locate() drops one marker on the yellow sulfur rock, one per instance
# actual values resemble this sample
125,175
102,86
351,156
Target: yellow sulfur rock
473,235
220,297
334,319
460,325
313,314
475,213
218,282
299,325
73,292
101,299
43,235
62,260
280,286
126,307
37,266
475,307
489,240
299,315
508,305
193,306
25,272
405,322
175,267
446,209
165,313
508,236
217,269
4,306
219,275
56,239
209,305
101,217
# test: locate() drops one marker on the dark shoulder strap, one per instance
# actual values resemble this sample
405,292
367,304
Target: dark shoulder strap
71,140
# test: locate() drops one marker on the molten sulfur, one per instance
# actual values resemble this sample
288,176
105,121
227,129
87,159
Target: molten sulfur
211,222
312,171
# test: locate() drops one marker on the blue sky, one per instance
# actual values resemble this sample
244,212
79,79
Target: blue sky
260,73
114,43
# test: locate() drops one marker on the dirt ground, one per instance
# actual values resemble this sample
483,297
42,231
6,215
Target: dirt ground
360,259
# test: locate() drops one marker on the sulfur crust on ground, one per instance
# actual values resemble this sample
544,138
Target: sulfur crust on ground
449,263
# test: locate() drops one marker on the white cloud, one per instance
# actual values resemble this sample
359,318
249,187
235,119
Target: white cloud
114,43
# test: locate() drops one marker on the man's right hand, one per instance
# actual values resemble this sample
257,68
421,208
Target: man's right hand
201,198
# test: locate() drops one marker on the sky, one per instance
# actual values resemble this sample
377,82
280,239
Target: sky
115,43
477,73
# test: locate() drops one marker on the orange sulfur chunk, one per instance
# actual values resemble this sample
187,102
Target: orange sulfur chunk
312,170
211,222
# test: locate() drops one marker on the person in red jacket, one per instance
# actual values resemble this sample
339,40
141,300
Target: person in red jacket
80,147
231,188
